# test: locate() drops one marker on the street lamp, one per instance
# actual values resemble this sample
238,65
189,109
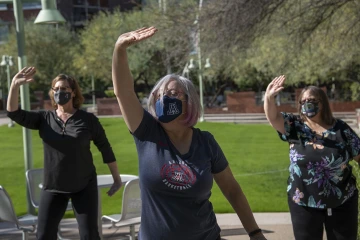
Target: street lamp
200,76
24,89
198,49
49,13
7,61
92,89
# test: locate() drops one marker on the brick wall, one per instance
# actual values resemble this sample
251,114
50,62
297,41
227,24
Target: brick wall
107,106
240,102
245,102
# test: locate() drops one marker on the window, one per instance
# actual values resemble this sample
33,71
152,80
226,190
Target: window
27,6
3,7
78,2
4,32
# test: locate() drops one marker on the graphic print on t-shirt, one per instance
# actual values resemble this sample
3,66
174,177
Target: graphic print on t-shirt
177,175
172,109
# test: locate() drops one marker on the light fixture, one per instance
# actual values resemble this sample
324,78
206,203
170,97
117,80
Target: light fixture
49,13
3,62
186,70
10,61
207,64
191,66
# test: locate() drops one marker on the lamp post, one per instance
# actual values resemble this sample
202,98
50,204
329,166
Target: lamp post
51,15
92,89
7,61
93,92
200,76
198,49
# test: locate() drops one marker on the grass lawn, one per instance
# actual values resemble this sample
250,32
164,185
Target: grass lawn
258,159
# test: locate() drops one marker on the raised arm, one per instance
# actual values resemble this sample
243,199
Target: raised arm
22,77
272,114
130,106
28,119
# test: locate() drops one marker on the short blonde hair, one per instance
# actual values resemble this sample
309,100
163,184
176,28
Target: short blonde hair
78,100
194,108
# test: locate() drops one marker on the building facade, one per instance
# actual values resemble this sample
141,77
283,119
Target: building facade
76,12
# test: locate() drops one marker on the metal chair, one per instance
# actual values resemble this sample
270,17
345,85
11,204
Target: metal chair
131,208
34,180
7,214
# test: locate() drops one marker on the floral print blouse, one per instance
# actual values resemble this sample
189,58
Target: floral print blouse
320,173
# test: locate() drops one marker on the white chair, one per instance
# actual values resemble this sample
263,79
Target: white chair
131,208
34,179
7,214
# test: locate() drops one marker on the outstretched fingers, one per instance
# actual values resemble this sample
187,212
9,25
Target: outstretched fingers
26,71
140,29
145,29
279,80
145,33
30,71
23,70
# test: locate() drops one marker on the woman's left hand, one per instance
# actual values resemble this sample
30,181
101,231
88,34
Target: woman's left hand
115,187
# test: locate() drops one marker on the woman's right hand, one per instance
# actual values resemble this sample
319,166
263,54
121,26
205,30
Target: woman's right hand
275,86
127,39
24,76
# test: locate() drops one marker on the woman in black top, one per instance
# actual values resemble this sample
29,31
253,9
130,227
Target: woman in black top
321,188
69,172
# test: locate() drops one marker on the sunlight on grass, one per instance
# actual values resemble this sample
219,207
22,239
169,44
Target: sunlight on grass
257,157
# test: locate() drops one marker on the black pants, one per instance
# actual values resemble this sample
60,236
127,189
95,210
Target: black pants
53,206
308,223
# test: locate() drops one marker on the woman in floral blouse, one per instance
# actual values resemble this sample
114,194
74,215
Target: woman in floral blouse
321,188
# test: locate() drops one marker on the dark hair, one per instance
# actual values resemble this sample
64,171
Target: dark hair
325,113
78,100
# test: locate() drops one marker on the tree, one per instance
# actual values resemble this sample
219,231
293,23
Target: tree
306,40
150,60
50,49
98,39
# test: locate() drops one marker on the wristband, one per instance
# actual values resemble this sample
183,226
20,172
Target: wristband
253,233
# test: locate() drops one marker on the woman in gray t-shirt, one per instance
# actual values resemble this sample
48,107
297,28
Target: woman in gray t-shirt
177,162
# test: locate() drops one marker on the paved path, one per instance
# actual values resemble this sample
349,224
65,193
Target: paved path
4,121
276,226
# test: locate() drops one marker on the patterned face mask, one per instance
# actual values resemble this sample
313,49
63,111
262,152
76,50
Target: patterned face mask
169,109
310,109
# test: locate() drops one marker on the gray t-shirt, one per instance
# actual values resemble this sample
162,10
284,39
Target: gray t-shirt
175,188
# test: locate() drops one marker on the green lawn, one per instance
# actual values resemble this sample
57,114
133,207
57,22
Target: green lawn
258,159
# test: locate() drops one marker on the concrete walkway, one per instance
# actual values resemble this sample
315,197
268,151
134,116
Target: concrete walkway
276,226
3,118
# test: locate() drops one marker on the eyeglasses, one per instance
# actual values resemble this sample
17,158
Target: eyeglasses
62,89
309,100
171,93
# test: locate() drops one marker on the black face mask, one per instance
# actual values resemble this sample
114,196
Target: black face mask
62,98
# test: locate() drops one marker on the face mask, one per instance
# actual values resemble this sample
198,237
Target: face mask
170,109
62,98
310,109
